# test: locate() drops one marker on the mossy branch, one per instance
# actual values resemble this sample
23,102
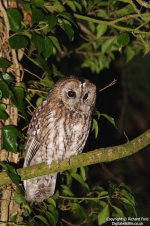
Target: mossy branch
100,155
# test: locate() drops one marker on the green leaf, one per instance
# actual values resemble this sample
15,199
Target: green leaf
52,209
38,15
118,211
32,223
6,93
78,5
69,31
103,215
127,10
39,101
68,180
27,207
84,3
67,16
10,136
4,64
52,202
19,197
71,5
73,170
131,211
47,81
7,77
127,201
18,41
51,218
110,119
78,178
123,39
102,203
78,211
101,29
19,97
66,190
55,43
38,2
130,53
107,45
38,41
103,193
83,172
95,127
43,64
13,218
103,13
67,27
92,26
47,47
12,173
2,107
98,114
125,187
42,219
15,17
3,115
26,5
52,21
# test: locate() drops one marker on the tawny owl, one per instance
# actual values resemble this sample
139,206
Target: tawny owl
58,129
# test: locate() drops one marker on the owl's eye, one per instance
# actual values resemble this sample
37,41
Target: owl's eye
85,96
71,93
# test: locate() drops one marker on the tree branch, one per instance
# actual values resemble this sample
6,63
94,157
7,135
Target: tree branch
97,156
112,23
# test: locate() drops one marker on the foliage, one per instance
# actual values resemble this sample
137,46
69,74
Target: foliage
93,207
49,33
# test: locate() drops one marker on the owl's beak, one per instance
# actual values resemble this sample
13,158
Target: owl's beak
79,107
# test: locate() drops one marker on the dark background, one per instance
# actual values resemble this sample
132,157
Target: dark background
128,102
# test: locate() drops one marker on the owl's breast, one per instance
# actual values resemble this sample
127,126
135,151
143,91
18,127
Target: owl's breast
76,133
66,134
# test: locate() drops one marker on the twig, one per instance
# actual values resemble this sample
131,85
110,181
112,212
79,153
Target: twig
37,91
32,73
109,85
144,3
68,223
126,136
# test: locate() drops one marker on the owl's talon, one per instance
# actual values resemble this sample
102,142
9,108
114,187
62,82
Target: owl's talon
69,161
59,163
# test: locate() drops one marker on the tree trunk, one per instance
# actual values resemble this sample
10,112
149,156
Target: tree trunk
8,207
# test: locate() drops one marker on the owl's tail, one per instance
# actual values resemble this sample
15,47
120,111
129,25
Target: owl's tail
40,188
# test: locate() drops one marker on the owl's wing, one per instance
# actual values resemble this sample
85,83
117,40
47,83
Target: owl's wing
32,146
34,133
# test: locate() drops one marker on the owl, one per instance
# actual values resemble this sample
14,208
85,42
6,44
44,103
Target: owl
58,129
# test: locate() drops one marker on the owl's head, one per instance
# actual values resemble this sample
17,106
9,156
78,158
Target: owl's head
77,94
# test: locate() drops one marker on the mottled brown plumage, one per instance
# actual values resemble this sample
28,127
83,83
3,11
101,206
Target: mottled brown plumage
58,129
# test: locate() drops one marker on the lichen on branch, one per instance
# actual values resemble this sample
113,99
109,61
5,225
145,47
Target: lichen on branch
100,155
